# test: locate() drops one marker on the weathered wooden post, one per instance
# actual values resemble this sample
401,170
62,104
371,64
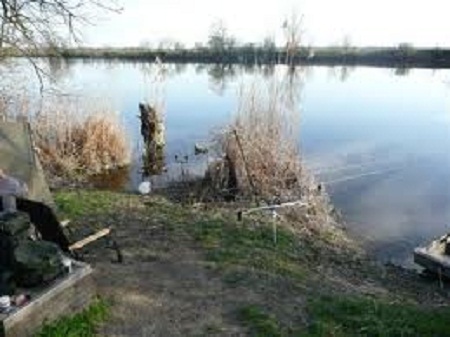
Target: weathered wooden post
153,135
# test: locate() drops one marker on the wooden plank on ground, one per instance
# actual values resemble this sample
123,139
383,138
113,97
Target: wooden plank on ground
91,238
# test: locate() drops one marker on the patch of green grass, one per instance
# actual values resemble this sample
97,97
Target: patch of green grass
260,323
231,243
169,213
334,316
82,202
83,324
353,317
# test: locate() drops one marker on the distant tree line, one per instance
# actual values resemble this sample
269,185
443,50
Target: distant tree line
221,47
254,54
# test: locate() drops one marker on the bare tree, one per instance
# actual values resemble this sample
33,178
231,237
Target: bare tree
293,33
30,24
27,26
269,48
219,39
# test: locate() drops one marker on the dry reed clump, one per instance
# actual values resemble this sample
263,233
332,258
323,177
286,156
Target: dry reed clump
73,141
262,159
261,145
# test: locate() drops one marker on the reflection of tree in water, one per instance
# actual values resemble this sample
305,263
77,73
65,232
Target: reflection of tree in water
268,70
341,73
219,77
179,68
345,73
402,71
59,69
250,69
154,78
159,71
152,71
200,68
292,85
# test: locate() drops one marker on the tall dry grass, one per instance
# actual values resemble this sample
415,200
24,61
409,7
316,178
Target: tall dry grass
262,157
261,144
73,139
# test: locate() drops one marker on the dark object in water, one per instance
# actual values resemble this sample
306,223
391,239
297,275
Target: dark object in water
435,257
152,131
199,149
148,122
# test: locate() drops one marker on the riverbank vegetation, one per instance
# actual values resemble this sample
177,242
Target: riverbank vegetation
73,140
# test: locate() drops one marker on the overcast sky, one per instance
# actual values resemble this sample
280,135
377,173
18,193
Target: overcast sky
367,23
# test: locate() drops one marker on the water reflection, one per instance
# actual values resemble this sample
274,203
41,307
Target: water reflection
59,69
342,73
402,71
268,70
200,68
220,75
292,85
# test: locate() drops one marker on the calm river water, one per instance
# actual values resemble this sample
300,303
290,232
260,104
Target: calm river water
378,138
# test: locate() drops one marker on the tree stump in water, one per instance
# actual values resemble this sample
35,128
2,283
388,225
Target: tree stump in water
153,135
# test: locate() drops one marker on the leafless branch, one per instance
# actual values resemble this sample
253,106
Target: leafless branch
33,24
293,32
29,26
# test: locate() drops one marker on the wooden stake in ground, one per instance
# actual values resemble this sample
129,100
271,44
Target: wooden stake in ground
247,170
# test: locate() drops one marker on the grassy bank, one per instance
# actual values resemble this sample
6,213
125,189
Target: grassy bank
397,57
195,270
